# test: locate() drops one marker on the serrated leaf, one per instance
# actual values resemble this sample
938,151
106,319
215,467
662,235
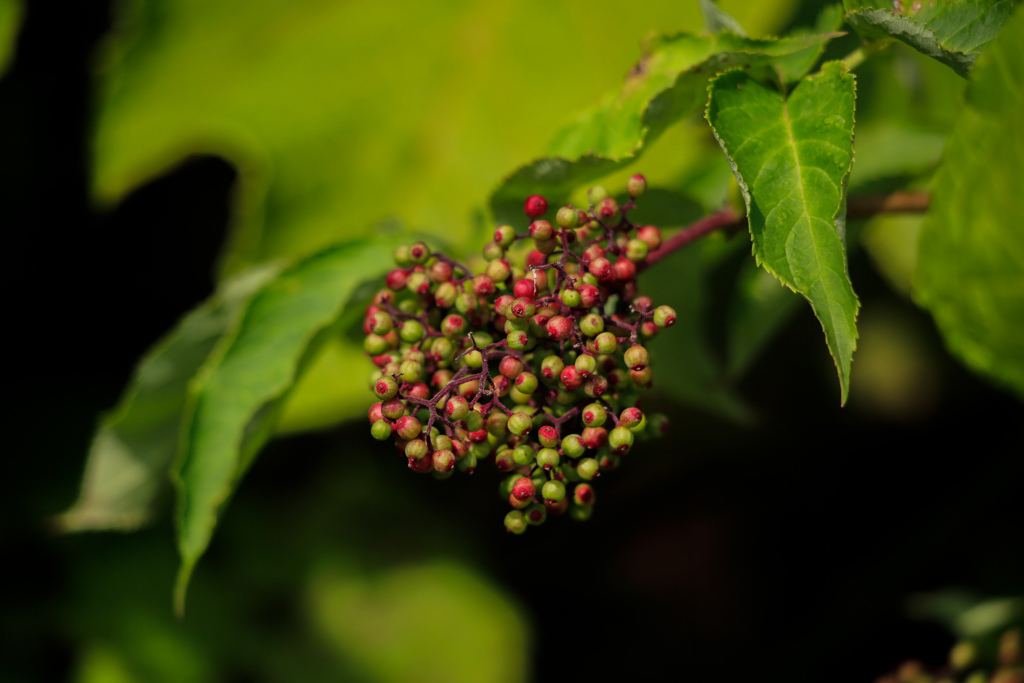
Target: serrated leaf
791,157
134,446
791,68
951,31
970,267
235,396
717,20
666,86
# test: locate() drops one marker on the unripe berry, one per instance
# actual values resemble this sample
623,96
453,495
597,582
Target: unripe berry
445,295
396,279
473,359
570,297
444,461
518,341
583,494
536,514
572,446
620,440
411,331
505,235
526,383
651,236
567,217
523,489
590,295
541,231
559,328
586,365
523,455
408,427
588,468
497,423
546,246
600,267
596,194
381,430
411,371
440,271
385,388
416,449
418,283
553,490
657,425
535,206
636,250
580,513
608,211
467,463
594,415
380,323
498,270
374,344
642,377
518,504
442,349
525,288
571,378
547,458
515,522
401,255
591,324
483,285
605,343
467,303
520,423
522,308
636,185
624,270
664,316
504,462
421,465
548,436
474,420
636,357
630,417
392,409
419,252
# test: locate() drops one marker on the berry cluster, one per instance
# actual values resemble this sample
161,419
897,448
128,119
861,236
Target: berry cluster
967,664
539,365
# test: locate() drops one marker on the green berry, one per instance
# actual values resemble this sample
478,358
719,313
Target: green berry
572,446
547,458
586,365
620,440
520,423
567,217
664,316
591,325
385,388
535,514
636,358
411,331
605,343
381,430
374,344
594,415
526,382
416,449
588,468
515,522
636,185
570,297
505,235
553,490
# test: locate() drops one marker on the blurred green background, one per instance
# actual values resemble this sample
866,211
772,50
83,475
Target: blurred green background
153,147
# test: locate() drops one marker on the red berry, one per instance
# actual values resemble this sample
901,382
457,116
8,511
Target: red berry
396,279
571,378
559,328
625,269
525,288
535,206
524,489
589,295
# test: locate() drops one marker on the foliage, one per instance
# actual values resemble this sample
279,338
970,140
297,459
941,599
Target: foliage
333,160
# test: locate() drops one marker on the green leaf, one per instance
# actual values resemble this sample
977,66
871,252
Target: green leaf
791,158
10,20
666,86
717,20
952,31
134,446
340,114
791,68
235,397
970,268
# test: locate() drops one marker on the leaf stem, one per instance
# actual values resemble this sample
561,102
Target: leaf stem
857,57
864,206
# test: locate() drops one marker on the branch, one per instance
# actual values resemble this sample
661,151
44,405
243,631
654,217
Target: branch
728,219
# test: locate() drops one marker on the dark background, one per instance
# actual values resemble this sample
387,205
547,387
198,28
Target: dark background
785,551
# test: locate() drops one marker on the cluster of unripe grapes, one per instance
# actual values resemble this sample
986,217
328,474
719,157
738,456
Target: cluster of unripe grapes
535,364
